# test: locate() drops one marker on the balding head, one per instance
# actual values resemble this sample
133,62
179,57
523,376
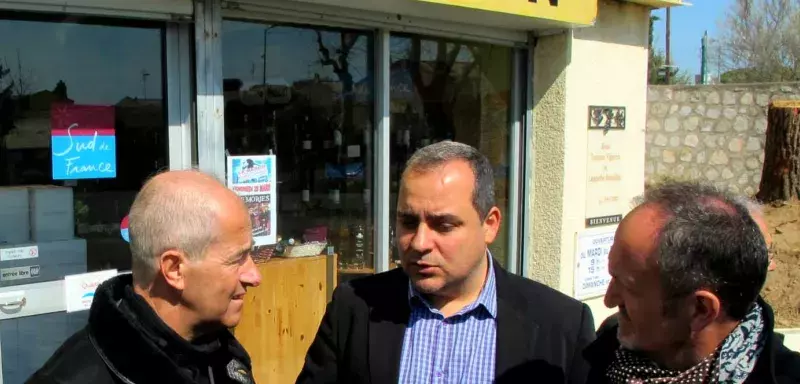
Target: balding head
178,210
757,213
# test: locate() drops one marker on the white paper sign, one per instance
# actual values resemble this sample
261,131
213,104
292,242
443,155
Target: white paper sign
79,289
591,263
19,253
19,273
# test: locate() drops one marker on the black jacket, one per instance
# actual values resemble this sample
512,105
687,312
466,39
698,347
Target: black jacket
540,333
126,342
776,364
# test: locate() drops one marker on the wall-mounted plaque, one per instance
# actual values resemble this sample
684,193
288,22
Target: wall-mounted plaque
605,169
606,118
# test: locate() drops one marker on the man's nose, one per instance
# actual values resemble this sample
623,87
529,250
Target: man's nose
250,275
422,241
611,299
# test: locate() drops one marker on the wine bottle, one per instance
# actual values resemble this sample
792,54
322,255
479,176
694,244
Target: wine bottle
306,163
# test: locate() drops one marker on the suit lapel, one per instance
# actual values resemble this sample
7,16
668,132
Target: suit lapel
515,334
387,326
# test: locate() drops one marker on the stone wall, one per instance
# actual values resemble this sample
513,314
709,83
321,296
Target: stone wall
710,132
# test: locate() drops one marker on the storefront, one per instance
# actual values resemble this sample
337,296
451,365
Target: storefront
340,92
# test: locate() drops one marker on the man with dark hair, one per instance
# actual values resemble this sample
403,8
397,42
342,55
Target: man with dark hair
687,266
451,314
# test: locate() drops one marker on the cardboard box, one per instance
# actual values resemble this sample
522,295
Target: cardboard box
14,215
55,260
52,213
29,341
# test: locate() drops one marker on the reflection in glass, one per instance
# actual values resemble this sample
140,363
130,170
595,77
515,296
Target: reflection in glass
46,64
305,95
49,65
450,90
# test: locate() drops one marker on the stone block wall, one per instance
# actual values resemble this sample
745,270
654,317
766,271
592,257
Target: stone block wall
710,132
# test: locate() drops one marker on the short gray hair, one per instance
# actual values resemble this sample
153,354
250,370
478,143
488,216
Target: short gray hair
437,154
165,216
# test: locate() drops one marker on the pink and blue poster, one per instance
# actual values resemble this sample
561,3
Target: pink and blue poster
83,142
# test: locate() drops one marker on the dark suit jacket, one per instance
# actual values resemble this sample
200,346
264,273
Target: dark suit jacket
540,333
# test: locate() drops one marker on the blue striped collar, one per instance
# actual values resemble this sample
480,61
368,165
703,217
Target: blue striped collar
487,298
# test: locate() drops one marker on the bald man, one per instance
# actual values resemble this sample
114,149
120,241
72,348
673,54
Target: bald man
167,322
758,216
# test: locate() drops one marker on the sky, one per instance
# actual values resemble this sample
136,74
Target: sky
688,25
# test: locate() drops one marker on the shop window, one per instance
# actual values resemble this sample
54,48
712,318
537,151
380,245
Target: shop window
450,90
82,126
305,95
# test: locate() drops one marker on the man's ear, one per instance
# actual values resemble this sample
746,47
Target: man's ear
172,267
491,225
706,309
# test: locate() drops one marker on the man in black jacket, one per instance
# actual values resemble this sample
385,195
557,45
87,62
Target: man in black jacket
687,266
451,314
168,321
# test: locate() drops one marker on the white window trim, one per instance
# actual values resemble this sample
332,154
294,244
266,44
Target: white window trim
179,95
210,102
529,174
383,137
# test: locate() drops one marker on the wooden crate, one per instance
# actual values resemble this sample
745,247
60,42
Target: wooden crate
281,316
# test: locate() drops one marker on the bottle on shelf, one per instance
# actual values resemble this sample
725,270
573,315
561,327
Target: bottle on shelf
330,230
358,259
343,237
394,256
306,165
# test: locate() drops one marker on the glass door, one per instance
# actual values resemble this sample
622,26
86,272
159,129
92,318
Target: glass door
82,126
305,95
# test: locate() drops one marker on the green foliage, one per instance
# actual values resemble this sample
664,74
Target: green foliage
753,75
656,74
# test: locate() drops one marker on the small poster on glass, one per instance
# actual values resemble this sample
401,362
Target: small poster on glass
253,179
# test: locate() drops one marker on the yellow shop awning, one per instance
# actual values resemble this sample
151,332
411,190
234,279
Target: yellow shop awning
660,3
574,12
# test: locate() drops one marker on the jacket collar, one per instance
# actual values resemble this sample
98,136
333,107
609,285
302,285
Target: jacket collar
389,319
129,336
516,333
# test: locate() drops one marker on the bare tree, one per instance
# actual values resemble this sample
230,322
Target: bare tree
340,62
760,41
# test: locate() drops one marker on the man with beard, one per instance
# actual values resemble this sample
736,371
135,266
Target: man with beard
687,266
451,314
168,321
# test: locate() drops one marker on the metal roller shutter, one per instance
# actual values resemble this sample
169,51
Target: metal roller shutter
283,11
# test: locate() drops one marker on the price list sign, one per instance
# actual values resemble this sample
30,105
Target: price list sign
591,263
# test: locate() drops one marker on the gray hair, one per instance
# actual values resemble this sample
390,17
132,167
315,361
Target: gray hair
708,240
169,215
437,154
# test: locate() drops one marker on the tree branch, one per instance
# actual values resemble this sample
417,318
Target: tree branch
326,55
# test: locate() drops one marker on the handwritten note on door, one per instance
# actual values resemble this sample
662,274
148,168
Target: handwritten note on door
83,142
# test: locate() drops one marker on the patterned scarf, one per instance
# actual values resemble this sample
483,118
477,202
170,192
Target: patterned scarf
731,363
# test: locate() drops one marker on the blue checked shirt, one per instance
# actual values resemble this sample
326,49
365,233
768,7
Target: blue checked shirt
459,349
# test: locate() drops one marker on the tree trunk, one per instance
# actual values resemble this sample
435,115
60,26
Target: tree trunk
780,177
